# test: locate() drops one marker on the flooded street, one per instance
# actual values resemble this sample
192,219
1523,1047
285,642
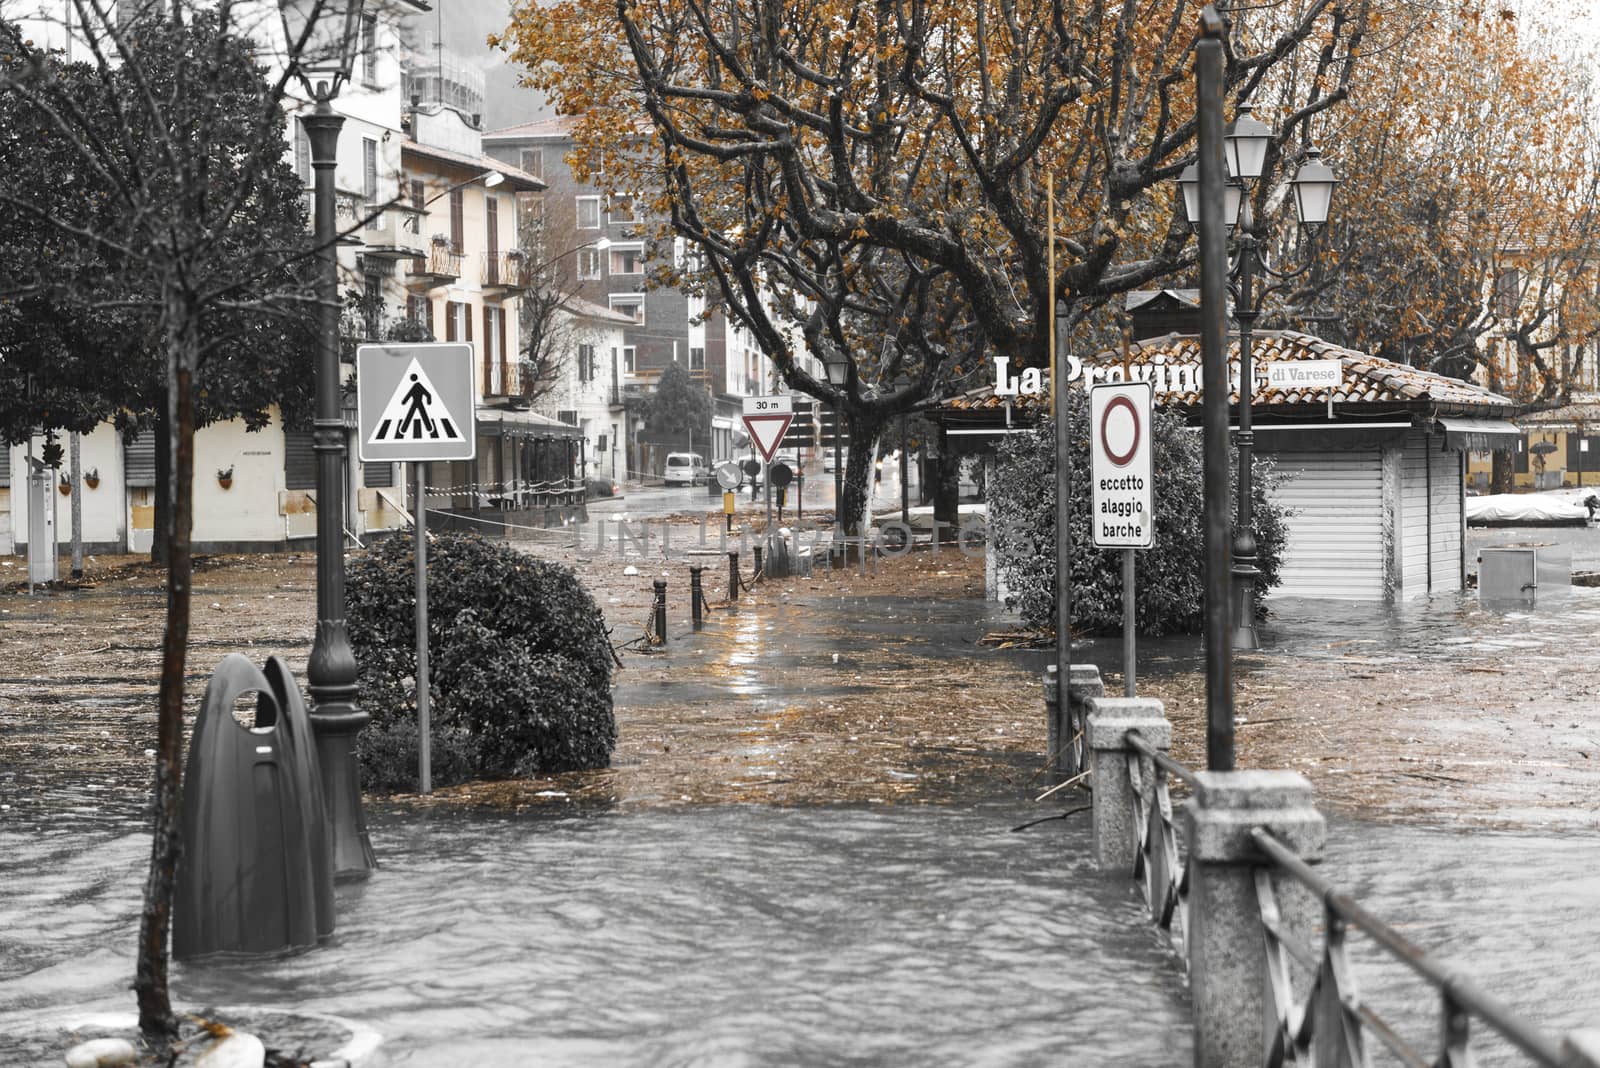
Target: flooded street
803,853
742,935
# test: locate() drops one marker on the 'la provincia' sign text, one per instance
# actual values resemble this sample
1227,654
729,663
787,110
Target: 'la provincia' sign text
1166,378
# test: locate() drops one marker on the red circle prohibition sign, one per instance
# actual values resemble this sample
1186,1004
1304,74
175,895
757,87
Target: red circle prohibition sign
1119,459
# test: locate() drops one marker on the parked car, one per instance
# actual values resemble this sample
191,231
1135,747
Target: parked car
603,487
685,469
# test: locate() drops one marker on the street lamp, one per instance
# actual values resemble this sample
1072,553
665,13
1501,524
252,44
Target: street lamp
322,37
838,371
1245,144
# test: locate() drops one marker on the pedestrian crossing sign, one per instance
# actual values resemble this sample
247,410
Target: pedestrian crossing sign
415,402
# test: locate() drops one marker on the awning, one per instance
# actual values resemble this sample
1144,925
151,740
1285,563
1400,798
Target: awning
1478,435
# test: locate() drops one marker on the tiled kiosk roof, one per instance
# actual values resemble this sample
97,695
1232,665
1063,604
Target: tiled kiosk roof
1371,384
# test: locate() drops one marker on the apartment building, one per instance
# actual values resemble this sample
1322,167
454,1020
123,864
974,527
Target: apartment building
605,238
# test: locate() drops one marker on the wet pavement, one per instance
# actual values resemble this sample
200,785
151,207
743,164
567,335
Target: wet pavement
664,912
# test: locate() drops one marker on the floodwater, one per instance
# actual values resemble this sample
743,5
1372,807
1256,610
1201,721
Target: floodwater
743,935
832,934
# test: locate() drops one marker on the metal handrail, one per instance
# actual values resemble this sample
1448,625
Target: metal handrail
1182,772
1460,996
1161,873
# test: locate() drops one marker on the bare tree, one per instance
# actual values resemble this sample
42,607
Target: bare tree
173,133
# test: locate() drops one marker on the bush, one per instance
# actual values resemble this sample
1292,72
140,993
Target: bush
1169,577
519,663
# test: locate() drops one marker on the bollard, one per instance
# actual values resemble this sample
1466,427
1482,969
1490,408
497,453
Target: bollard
1227,954
695,596
733,576
1061,756
758,560
1109,720
661,611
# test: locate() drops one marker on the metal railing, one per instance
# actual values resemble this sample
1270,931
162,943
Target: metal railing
439,261
1329,1024
1158,869
1332,1021
503,269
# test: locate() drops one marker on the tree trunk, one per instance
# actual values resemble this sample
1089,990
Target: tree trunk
863,436
1501,476
181,327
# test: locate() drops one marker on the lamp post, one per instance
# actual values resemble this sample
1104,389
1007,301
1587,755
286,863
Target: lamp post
837,376
322,36
1245,144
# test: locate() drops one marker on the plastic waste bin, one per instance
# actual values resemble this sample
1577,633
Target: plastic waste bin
256,872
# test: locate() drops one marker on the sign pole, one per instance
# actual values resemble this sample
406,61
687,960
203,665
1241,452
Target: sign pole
1129,665
767,481
420,515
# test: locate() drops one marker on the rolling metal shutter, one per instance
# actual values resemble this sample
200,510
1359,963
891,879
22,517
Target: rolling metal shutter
299,460
139,458
5,464
377,475
1335,530
1445,509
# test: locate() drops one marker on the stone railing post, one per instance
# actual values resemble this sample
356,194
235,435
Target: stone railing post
1227,953
1085,685
1116,831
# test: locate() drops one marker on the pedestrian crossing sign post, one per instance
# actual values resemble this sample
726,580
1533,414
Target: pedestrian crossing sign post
415,402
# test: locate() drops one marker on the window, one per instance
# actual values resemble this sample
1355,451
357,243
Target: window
1507,293
491,210
369,181
457,323
588,264
627,259
496,372
588,213
620,209
586,363
697,359
369,51
373,304
458,220
420,311
533,161
568,416
418,198
627,359
629,304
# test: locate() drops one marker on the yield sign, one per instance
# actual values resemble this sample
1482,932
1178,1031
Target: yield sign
767,430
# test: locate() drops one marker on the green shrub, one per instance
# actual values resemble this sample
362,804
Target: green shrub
519,663
1169,578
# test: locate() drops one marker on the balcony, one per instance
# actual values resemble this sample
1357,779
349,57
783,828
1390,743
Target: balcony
504,270
438,265
396,234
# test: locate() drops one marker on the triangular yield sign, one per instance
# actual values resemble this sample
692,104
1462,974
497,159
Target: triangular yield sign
767,430
415,412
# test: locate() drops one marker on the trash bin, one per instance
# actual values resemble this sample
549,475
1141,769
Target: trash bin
1523,575
256,872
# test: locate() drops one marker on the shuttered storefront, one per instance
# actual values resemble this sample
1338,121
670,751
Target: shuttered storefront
1335,531
1444,486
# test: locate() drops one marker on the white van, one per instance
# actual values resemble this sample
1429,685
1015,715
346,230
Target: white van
686,469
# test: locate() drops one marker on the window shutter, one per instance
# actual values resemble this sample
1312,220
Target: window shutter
302,152
500,325
449,320
491,209
458,225
299,460
377,475
427,306
369,175
488,355
139,459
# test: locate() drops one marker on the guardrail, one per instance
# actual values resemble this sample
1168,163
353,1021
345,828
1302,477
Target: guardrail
1242,903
